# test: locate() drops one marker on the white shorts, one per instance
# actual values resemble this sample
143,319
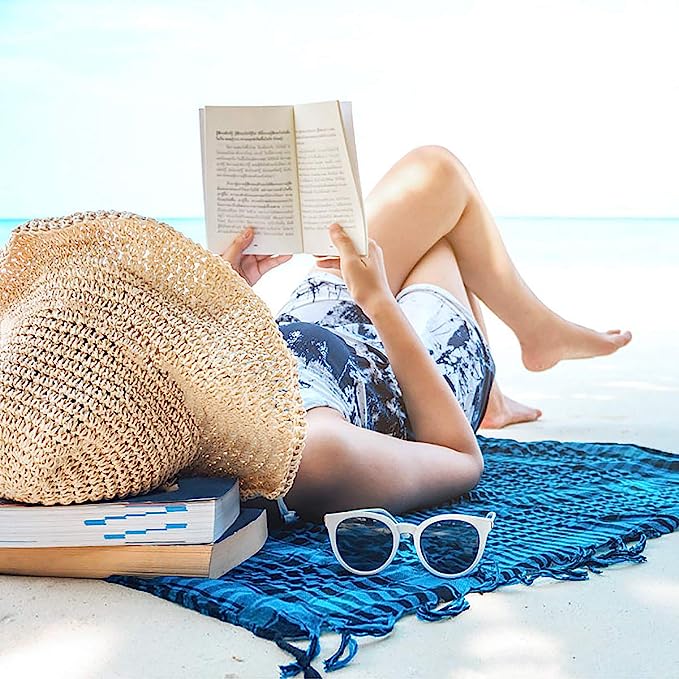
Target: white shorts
343,363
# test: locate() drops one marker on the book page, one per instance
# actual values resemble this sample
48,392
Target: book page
348,122
328,188
250,177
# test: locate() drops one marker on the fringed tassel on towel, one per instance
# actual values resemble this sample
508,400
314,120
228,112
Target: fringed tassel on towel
334,662
578,564
619,552
430,613
304,658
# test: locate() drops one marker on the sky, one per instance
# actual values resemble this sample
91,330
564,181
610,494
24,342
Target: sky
564,108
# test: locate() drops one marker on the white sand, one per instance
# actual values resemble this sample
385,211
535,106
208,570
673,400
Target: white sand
623,623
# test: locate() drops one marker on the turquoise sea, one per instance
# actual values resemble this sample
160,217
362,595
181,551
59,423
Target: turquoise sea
193,227
580,241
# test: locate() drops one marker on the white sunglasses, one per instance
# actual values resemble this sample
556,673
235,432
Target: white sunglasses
365,541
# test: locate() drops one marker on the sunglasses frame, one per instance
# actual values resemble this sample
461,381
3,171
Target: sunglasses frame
482,524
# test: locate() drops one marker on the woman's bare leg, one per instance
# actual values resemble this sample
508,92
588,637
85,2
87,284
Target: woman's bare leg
439,266
429,195
501,410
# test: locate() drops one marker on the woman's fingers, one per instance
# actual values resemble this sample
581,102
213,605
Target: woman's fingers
270,262
342,241
374,249
238,244
250,267
328,263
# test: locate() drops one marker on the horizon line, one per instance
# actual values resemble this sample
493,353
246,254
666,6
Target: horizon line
512,216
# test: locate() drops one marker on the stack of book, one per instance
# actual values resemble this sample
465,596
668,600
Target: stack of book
194,528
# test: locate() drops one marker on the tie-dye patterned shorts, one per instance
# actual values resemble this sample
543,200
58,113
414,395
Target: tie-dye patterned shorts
342,361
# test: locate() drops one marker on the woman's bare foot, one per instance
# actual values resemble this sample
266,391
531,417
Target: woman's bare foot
503,411
563,340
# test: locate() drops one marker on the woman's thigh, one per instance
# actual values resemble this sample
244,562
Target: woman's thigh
414,205
438,266
417,202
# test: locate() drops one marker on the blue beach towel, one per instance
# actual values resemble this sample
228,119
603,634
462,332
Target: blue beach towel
563,510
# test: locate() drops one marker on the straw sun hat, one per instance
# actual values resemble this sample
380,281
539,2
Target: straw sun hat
128,355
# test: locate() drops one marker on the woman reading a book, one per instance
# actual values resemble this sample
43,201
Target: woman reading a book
395,369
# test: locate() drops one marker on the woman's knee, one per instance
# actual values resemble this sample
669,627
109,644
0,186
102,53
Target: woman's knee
440,166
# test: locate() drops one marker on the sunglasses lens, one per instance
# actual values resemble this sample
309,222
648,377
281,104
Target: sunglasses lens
364,544
450,546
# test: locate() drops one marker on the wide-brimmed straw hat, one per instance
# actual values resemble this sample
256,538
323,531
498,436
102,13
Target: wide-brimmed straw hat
129,355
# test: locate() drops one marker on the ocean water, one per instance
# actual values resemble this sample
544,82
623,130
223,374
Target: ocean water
193,227
541,241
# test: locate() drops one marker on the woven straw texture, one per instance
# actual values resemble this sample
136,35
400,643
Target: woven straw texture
130,354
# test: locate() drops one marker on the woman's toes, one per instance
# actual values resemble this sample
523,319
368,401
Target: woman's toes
507,411
620,339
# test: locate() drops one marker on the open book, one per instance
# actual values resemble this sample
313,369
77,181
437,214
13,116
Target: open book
288,171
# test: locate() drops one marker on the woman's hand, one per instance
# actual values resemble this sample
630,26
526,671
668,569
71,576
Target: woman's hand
364,275
250,267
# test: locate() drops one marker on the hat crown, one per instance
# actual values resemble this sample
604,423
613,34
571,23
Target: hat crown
129,353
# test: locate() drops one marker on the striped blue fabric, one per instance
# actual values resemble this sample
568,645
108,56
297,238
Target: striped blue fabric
564,510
